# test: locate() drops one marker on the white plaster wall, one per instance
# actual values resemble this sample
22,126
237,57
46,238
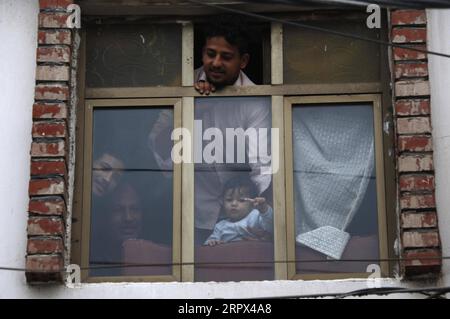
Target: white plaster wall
18,29
439,68
18,24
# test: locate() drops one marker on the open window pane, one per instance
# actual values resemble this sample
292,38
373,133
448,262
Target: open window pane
312,56
334,188
233,235
133,55
132,196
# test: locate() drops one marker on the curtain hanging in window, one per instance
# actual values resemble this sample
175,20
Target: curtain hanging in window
333,163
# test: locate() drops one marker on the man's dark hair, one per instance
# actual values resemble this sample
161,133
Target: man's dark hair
233,28
104,148
241,181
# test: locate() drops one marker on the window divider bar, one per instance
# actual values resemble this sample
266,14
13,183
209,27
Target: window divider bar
77,201
278,182
276,40
289,184
187,196
257,90
87,177
187,54
177,187
381,187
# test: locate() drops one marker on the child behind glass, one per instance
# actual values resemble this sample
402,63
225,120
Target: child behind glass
248,217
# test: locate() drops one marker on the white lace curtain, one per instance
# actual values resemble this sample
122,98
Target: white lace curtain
333,163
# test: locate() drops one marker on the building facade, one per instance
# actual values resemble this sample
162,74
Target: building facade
48,90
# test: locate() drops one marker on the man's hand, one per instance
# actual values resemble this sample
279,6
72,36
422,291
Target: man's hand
204,87
213,242
259,203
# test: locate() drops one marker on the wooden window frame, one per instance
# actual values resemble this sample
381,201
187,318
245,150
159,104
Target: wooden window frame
279,93
336,101
90,107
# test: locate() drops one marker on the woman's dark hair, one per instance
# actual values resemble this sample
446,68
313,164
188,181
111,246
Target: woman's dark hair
233,28
242,181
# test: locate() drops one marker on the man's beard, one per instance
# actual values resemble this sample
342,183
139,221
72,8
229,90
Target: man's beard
219,85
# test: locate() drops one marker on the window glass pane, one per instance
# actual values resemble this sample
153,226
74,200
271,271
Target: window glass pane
335,195
133,55
317,57
233,197
131,201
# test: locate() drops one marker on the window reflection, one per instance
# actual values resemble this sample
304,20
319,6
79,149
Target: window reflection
133,55
131,219
233,212
312,56
334,187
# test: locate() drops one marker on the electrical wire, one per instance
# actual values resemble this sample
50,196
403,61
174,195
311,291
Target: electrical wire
404,4
110,264
431,292
324,30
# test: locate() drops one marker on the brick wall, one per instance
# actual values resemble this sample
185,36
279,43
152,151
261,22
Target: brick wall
49,149
419,236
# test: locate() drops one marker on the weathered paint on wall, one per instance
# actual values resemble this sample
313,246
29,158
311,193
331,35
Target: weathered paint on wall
439,68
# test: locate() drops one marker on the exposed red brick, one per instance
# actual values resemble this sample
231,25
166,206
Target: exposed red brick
45,226
414,17
54,4
414,87
47,206
45,246
49,110
409,201
49,129
403,54
56,54
409,35
44,268
53,20
52,92
418,220
52,73
44,263
415,163
50,149
405,70
422,262
54,37
413,107
48,186
422,257
42,168
416,182
416,239
413,125
415,143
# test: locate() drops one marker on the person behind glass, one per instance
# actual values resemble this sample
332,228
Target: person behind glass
225,54
106,172
248,217
121,220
